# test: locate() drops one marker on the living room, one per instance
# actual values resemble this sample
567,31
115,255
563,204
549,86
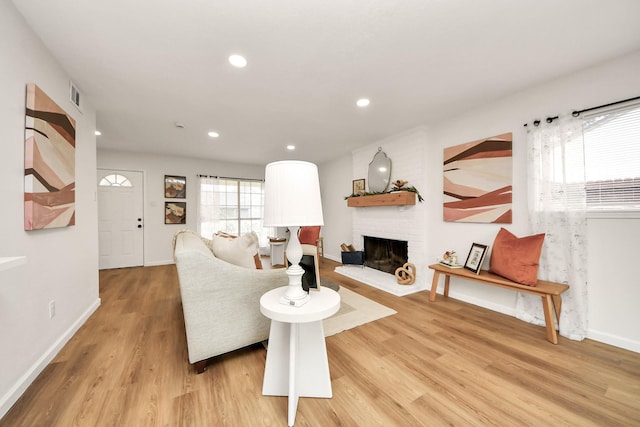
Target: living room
62,264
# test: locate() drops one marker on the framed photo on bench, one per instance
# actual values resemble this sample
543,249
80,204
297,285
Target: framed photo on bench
476,257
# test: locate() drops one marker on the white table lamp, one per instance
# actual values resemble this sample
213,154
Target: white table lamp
292,199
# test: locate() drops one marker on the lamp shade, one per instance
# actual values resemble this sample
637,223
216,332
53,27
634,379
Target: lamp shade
292,194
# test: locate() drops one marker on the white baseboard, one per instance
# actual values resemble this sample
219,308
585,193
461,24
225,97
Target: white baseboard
603,337
509,311
14,393
156,263
614,340
333,258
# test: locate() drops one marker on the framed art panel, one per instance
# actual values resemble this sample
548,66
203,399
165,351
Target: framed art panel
49,163
175,212
478,181
175,187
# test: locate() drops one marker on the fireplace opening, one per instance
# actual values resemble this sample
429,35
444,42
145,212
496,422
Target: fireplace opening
385,254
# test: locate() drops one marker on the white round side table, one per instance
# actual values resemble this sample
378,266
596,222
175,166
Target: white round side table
297,364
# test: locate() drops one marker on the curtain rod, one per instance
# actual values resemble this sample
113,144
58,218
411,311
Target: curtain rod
577,113
230,177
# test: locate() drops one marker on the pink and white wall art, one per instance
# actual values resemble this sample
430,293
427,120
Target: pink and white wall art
478,181
49,163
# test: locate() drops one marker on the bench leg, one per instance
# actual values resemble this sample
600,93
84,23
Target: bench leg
557,303
549,319
434,286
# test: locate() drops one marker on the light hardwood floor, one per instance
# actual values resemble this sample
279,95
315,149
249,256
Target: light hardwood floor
432,364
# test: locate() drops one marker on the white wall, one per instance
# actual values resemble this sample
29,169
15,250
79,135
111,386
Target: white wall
614,291
614,287
406,223
157,234
335,185
61,264
337,216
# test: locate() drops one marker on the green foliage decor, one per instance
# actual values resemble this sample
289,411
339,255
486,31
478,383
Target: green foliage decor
409,189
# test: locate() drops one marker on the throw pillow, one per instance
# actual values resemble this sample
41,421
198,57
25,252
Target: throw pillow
256,257
516,259
309,235
242,251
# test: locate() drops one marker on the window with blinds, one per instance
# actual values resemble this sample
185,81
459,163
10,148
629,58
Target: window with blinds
234,206
612,160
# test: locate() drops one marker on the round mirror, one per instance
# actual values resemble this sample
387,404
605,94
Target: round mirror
379,172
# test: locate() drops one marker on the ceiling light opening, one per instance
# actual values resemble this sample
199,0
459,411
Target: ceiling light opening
213,134
238,61
98,133
291,147
363,102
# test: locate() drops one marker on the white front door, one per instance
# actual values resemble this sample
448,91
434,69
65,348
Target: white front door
120,218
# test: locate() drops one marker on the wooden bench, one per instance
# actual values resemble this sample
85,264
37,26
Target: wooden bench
550,292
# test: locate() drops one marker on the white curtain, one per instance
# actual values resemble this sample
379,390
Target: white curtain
557,207
242,203
208,206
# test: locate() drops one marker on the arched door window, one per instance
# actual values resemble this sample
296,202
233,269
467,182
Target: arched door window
115,180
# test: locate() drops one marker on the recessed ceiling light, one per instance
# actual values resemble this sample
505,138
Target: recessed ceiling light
362,102
213,134
238,61
98,133
291,147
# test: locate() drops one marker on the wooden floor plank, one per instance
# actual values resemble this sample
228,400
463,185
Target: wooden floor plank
441,363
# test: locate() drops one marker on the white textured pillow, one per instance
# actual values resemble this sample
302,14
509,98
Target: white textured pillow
239,251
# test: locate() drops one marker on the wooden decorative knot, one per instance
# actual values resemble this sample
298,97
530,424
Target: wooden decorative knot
406,274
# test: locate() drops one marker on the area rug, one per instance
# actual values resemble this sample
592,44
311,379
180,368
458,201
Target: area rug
355,310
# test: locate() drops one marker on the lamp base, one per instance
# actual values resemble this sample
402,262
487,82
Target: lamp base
295,302
295,296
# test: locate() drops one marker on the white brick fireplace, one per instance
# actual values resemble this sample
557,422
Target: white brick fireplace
408,223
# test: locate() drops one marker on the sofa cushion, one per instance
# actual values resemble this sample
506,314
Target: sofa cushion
242,251
516,259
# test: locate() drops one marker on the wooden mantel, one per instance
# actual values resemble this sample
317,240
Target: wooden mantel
397,198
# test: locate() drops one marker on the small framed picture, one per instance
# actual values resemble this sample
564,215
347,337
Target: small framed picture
175,212
175,187
358,187
476,257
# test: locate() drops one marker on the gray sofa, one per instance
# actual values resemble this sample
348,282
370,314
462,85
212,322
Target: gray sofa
220,301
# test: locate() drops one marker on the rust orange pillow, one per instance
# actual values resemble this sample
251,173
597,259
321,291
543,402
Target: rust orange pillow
516,259
309,235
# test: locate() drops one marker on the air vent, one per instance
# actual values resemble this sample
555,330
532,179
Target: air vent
74,95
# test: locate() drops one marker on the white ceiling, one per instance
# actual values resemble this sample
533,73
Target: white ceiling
145,65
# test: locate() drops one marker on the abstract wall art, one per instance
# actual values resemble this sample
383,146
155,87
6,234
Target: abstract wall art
175,187
49,163
175,212
478,181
